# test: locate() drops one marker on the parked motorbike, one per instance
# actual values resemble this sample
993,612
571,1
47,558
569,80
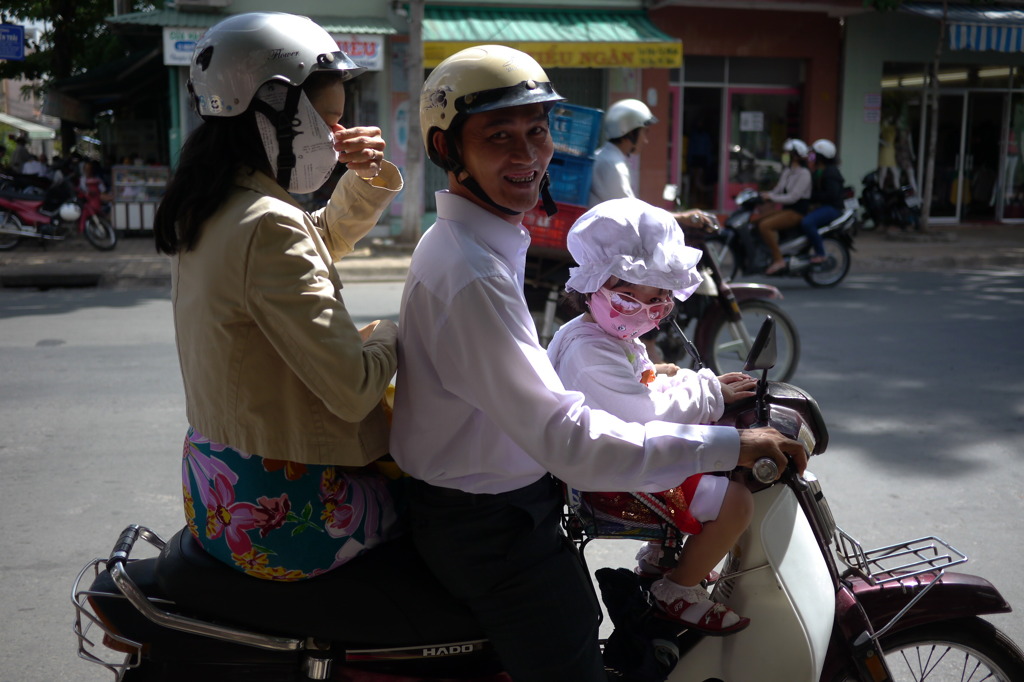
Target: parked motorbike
899,207
741,250
724,316
53,215
821,606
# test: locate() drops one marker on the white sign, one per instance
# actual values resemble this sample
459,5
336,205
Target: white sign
751,121
365,50
179,43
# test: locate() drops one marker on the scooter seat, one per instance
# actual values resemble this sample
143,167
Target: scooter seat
385,597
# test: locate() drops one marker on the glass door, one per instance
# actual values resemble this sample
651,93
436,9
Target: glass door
968,157
947,187
1012,185
760,121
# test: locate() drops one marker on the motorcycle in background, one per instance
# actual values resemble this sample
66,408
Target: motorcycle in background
53,215
822,607
741,250
899,207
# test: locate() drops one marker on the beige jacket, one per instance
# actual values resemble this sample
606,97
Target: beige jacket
272,363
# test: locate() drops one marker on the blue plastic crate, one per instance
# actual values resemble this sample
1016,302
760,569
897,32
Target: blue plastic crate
570,179
575,130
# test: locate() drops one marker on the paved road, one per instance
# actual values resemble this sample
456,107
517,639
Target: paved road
918,376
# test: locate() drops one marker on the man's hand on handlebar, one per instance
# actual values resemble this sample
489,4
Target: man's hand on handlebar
767,442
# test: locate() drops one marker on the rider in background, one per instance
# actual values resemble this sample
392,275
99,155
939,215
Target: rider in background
793,193
827,194
481,420
282,390
633,264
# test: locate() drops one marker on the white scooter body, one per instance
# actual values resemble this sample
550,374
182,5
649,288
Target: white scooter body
788,594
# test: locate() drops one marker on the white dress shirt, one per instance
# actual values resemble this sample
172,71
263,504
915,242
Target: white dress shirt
610,178
478,405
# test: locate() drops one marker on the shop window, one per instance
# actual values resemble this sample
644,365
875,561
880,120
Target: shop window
764,71
704,69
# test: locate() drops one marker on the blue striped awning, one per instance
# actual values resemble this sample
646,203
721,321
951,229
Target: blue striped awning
976,27
986,37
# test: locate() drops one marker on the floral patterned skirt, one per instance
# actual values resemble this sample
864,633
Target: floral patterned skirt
281,520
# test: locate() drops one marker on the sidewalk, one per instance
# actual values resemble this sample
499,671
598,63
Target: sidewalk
135,262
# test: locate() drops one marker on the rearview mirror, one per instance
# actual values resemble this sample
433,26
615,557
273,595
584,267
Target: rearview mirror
763,353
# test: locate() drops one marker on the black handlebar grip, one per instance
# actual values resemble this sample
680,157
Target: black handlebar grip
124,545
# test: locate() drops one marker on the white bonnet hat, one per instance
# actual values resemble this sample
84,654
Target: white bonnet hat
633,241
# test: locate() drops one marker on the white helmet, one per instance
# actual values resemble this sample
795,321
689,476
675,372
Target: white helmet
825,148
795,145
478,79
70,211
241,53
626,116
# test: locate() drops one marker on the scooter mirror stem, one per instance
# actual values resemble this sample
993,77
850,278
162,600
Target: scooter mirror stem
762,398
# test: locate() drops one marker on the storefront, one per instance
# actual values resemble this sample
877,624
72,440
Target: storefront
593,58
750,80
978,174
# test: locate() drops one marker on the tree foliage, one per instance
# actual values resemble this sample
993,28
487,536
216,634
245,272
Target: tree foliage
74,37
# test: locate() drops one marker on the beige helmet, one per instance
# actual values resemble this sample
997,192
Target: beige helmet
478,79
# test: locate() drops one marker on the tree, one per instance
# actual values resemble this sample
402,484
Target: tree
73,40
412,201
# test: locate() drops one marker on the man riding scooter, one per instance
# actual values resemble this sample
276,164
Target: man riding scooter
481,419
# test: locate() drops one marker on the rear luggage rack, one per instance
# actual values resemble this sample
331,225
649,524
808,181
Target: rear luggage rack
904,564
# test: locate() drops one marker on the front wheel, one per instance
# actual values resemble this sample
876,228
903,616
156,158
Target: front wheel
100,232
729,343
13,223
963,650
834,269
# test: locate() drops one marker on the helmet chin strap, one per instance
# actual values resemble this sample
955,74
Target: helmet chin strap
470,183
284,122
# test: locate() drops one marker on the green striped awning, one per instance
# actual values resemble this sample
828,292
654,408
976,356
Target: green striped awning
555,38
178,19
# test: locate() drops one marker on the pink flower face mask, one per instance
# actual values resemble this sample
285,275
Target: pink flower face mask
623,316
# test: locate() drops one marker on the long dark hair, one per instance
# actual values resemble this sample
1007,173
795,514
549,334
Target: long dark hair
210,159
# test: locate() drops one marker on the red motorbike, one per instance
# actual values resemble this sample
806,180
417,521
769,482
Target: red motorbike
53,215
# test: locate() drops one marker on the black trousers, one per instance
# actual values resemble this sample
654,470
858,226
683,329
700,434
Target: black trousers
506,558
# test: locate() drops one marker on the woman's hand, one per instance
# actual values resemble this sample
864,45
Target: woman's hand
379,327
361,149
736,386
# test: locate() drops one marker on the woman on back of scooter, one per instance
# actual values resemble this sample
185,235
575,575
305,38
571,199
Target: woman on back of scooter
282,390
793,193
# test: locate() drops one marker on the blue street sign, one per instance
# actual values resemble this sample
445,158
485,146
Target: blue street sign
12,42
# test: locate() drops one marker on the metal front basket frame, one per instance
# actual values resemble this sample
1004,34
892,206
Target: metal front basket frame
903,564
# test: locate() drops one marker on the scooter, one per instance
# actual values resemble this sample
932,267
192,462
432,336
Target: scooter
53,216
822,607
899,207
741,250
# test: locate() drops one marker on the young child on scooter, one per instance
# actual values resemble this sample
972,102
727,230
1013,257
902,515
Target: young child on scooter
632,262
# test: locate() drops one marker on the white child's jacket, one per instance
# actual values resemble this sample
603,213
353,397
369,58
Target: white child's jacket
610,372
